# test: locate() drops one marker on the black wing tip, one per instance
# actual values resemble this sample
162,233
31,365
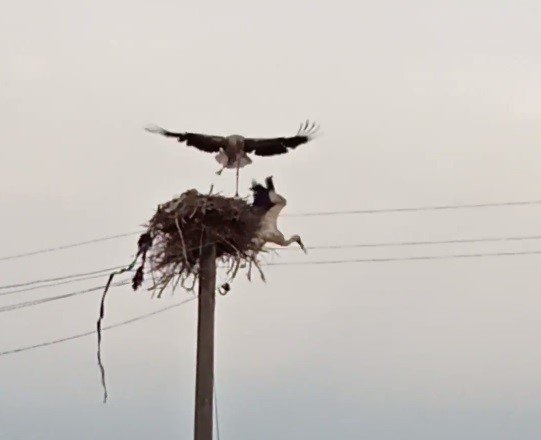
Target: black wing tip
159,130
256,186
155,129
308,129
270,184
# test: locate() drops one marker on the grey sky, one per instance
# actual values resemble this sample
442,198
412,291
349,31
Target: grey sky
421,103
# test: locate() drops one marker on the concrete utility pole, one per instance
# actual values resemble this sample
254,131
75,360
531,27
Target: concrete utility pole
204,380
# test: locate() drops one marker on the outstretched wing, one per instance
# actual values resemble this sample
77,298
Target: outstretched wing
281,145
270,183
203,142
262,199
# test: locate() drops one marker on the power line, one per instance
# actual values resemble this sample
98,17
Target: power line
65,277
36,302
59,283
420,208
293,263
418,243
66,246
98,273
306,214
89,333
389,259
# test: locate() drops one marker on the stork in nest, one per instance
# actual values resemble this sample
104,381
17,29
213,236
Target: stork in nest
270,204
233,150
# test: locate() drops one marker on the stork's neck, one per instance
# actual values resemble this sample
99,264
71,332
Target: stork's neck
274,212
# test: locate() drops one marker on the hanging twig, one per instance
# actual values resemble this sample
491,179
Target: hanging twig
144,243
261,274
100,319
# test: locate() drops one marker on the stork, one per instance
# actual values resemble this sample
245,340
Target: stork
270,204
233,150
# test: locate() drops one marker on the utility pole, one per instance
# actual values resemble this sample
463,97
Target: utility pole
204,379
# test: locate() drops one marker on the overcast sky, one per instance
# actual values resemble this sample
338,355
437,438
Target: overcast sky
421,103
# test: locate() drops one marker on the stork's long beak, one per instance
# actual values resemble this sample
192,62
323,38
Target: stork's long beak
302,246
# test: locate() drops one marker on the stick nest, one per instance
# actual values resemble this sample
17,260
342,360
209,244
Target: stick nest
179,230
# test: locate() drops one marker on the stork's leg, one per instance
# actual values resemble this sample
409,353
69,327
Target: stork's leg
237,184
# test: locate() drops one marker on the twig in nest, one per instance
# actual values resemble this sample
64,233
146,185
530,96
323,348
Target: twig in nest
256,264
192,287
231,273
164,285
232,265
183,242
201,240
179,277
228,242
236,261
153,278
249,272
237,267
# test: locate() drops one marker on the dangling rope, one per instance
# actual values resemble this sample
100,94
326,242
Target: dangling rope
143,245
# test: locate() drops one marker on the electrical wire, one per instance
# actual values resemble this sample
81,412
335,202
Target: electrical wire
59,283
295,263
36,302
416,243
92,332
66,246
305,214
390,259
420,208
91,275
300,263
65,277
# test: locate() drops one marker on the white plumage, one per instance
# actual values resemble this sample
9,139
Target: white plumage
271,204
233,150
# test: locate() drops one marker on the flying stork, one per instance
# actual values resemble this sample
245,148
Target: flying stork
270,204
233,150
